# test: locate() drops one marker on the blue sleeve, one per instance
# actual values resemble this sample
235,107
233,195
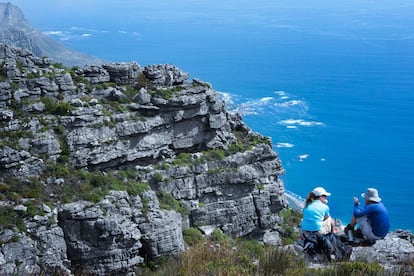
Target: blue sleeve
361,212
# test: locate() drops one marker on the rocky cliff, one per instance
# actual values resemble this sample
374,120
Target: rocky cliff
16,31
102,167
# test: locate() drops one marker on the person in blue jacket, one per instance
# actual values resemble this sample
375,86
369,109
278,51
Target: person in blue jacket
373,219
316,216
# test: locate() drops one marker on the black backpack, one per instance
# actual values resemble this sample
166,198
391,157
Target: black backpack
327,245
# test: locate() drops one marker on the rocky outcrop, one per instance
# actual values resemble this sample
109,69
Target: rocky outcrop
108,150
395,254
395,250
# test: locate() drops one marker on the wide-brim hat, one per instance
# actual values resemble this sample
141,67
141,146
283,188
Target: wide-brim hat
319,191
372,195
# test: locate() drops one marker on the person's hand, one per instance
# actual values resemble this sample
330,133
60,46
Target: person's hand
356,201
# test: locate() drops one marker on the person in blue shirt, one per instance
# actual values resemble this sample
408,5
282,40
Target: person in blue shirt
373,219
316,217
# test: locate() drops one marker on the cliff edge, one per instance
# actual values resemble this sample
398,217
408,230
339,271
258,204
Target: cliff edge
104,166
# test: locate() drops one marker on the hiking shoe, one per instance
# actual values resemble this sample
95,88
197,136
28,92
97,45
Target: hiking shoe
367,242
358,234
348,227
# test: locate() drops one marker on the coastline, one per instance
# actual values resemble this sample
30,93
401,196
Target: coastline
294,201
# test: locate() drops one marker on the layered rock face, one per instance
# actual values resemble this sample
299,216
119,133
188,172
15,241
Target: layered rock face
172,134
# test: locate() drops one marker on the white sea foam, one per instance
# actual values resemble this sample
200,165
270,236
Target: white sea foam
226,97
57,33
280,93
303,157
300,122
291,127
289,103
266,99
284,145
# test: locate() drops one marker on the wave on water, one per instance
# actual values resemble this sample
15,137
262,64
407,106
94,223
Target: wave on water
299,122
284,145
303,157
278,106
281,110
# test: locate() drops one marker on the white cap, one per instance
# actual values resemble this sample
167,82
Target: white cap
319,191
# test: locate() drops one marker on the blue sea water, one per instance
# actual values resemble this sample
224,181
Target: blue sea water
331,83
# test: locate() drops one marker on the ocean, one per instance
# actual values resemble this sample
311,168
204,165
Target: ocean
332,84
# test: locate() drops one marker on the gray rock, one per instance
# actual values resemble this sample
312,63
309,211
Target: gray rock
272,238
394,249
123,72
143,97
165,75
94,74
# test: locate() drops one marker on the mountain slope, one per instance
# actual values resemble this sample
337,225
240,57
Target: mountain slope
16,31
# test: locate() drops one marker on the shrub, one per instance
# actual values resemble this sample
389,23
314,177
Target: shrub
352,268
168,202
135,188
57,107
277,261
192,236
9,219
157,178
291,219
142,81
182,159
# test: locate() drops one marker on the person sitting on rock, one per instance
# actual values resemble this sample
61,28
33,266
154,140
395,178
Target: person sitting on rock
316,217
372,219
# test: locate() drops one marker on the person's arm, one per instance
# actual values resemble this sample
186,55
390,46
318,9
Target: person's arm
358,212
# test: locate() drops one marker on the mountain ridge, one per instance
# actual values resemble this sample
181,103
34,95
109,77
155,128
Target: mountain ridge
16,31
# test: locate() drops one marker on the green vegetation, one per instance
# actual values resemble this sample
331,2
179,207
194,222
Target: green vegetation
3,73
56,107
182,159
221,255
12,138
165,93
142,81
291,220
170,203
214,154
246,142
157,178
192,236
79,184
105,85
11,219
353,268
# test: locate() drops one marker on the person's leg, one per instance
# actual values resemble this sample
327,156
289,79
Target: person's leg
365,228
326,226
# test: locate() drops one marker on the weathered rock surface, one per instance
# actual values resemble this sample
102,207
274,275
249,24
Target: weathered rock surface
174,133
396,249
395,253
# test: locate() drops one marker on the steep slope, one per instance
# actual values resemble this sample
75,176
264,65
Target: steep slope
16,31
101,166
